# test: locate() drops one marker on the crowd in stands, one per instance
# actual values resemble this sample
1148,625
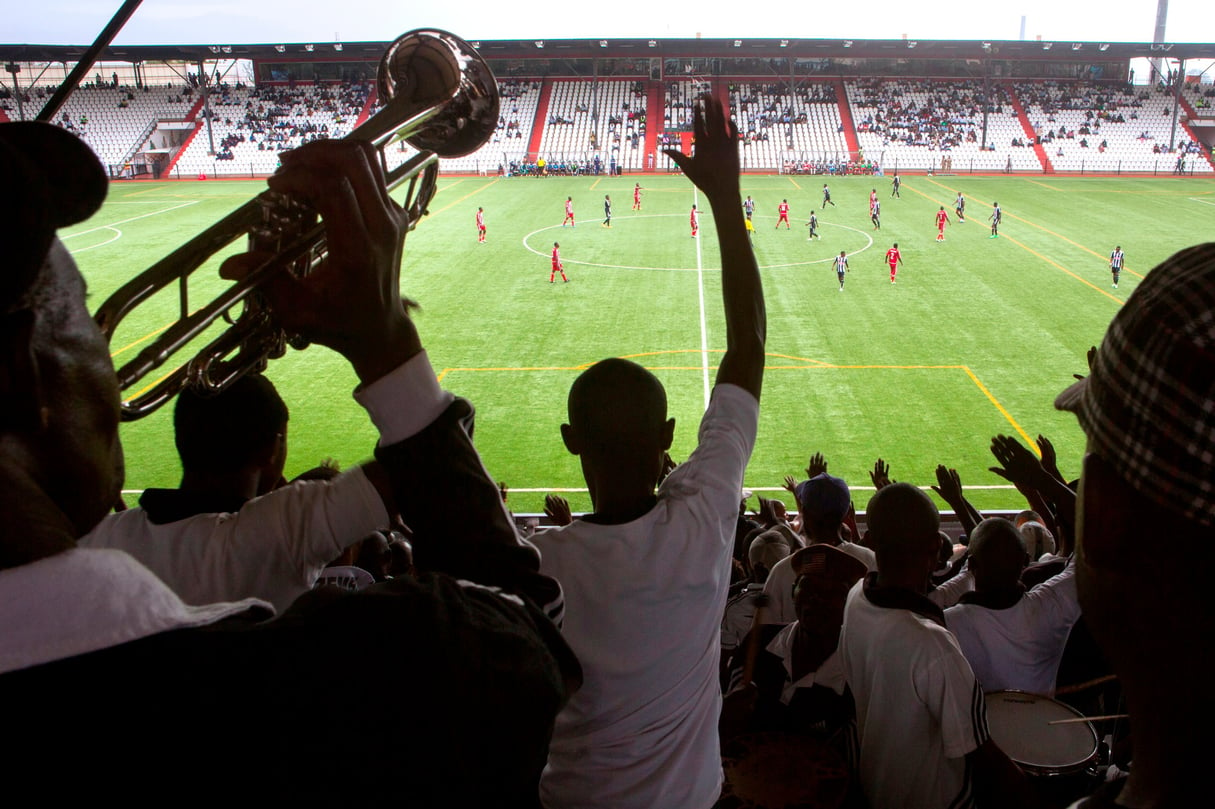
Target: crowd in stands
617,659
944,117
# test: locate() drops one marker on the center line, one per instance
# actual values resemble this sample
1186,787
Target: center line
700,283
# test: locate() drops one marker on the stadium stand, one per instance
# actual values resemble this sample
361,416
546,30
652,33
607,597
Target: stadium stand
802,134
918,124
596,119
1093,127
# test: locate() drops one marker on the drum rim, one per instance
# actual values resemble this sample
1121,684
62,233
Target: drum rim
1061,768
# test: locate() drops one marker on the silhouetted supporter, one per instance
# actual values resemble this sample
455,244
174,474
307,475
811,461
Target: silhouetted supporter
921,717
1146,539
214,703
646,573
230,531
1012,638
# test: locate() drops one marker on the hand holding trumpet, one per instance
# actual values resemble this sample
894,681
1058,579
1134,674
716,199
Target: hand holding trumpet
351,302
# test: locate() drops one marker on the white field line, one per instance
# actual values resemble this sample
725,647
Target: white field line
1203,201
581,490
113,226
700,284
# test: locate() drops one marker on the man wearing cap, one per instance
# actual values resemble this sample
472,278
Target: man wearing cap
1148,474
823,501
920,713
212,700
798,684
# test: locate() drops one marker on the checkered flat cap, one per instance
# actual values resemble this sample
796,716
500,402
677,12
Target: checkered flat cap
1148,406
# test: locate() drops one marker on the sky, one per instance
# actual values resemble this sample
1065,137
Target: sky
188,22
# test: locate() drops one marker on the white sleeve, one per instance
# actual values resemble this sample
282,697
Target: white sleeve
948,593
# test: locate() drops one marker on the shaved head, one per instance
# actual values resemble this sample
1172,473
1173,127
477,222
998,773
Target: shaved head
997,553
617,400
904,525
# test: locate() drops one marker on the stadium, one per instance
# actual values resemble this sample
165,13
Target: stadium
947,584
1100,162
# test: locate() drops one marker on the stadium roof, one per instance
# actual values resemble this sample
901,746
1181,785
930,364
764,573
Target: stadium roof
1064,51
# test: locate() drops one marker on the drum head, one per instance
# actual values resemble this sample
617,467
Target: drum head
1020,725
782,771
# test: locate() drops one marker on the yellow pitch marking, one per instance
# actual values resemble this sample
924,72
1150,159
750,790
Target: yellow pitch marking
824,365
1088,250
795,185
143,339
1044,185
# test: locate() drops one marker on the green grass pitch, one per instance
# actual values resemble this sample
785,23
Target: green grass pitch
976,338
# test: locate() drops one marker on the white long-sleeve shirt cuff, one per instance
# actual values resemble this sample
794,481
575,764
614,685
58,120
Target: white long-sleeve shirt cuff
404,401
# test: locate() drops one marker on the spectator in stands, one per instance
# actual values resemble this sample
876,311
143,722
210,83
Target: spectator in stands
1147,534
1012,639
229,532
823,502
94,641
798,683
920,713
644,732
767,549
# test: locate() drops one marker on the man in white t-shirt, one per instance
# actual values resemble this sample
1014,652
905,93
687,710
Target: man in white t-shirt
823,501
647,574
921,717
1012,639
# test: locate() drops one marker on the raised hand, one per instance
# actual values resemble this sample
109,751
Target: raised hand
1091,356
791,484
713,166
949,485
1050,461
558,509
880,475
1018,465
816,466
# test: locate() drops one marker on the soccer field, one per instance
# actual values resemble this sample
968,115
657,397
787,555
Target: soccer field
975,339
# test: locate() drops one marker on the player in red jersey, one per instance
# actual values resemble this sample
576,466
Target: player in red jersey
481,225
783,210
558,267
637,196
894,258
569,212
694,219
872,199
942,221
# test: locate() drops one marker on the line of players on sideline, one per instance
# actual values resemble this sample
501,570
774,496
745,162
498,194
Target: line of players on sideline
893,258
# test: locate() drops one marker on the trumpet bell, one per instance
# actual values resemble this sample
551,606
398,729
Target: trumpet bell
432,69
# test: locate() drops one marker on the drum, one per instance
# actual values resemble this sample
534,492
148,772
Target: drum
782,771
1060,758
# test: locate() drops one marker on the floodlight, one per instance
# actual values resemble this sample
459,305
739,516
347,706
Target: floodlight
847,43
539,43
310,48
337,46
784,43
1046,46
226,49
213,48
987,47
911,43
738,43
1104,46
653,43
1076,46
280,48
603,43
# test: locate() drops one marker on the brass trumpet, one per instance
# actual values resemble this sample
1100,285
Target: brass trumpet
439,96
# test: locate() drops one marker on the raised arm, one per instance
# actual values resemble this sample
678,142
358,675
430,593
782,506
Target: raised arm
714,169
